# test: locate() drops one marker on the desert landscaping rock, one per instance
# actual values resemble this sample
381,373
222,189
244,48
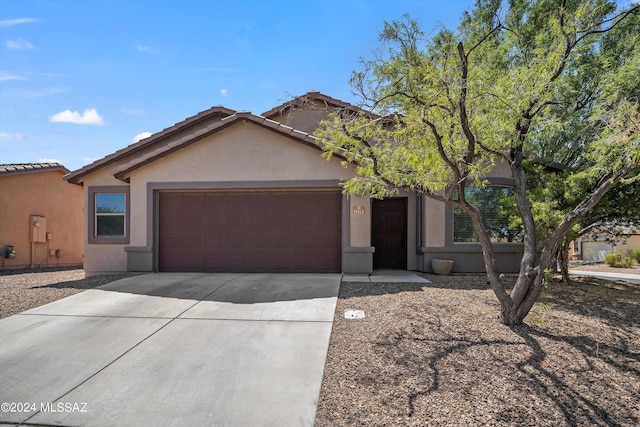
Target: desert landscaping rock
437,355
22,290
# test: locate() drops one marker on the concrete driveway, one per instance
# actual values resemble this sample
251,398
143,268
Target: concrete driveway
173,350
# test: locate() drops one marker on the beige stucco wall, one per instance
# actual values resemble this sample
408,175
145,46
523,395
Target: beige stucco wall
42,193
360,220
628,244
102,258
434,213
301,119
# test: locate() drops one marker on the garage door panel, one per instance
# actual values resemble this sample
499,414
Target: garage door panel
280,241
329,219
275,219
190,201
172,241
324,242
215,242
307,241
190,262
250,231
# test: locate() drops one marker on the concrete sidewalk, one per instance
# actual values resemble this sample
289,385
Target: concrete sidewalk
386,276
631,278
172,350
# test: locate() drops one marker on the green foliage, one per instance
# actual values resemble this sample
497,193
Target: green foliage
635,254
618,260
520,86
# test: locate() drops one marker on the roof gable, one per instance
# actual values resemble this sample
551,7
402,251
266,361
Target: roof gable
124,172
197,127
146,144
311,100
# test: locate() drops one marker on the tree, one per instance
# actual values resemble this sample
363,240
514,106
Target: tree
618,211
524,84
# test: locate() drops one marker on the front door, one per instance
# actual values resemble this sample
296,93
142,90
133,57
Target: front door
389,233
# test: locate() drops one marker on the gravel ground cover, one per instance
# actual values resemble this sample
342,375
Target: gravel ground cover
22,290
437,355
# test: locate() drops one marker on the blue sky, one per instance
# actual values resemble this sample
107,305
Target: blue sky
80,79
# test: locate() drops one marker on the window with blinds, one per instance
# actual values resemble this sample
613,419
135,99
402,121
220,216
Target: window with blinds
499,213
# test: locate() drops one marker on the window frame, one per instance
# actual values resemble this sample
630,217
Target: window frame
92,216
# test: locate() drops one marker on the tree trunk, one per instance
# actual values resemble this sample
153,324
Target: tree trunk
509,316
563,263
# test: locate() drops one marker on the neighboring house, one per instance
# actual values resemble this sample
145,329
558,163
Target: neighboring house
593,246
40,217
235,191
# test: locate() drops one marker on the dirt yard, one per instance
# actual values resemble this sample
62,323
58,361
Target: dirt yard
437,355
22,290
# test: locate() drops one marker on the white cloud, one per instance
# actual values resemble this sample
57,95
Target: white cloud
140,136
19,44
146,49
18,21
48,160
224,92
4,136
89,117
4,76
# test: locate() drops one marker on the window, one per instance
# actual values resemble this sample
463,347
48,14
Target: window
497,207
110,214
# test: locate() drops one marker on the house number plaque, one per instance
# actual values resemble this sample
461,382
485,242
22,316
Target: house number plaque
358,210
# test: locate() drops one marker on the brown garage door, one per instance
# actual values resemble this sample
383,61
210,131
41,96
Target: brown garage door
262,231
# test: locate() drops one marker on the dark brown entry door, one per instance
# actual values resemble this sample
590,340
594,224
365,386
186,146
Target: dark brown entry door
258,231
389,233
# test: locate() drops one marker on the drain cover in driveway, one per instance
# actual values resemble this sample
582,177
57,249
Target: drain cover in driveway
354,314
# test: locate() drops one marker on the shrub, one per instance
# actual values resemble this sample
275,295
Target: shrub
635,254
615,259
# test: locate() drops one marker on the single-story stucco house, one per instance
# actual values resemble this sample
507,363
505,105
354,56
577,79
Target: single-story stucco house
233,191
40,217
595,244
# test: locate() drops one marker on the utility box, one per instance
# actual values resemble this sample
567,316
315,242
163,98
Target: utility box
9,252
38,229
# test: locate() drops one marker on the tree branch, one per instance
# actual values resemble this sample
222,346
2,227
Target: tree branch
462,105
618,18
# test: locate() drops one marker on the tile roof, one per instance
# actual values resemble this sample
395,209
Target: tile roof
315,96
17,168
